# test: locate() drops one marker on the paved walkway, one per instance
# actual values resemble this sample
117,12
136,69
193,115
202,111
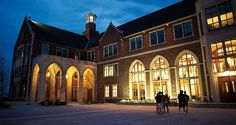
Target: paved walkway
112,114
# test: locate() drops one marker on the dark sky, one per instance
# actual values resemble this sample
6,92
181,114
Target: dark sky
69,15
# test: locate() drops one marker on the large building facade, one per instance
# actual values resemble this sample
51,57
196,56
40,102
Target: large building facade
190,46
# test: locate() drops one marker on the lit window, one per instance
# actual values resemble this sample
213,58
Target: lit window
219,65
232,63
230,47
157,37
183,30
136,43
189,75
44,49
217,49
110,70
107,91
114,91
219,16
110,50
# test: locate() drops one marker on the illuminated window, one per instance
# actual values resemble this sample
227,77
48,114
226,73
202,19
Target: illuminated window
219,65
183,30
114,91
188,74
230,47
44,49
217,49
110,50
219,16
91,55
137,79
107,91
160,76
136,43
110,70
157,37
232,63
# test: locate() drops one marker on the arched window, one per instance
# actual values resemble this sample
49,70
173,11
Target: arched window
160,75
188,75
137,81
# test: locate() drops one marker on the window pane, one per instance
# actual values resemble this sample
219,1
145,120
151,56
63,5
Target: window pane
59,52
178,32
65,52
106,51
110,50
44,49
139,42
219,65
132,44
161,37
115,48
153,38
187,27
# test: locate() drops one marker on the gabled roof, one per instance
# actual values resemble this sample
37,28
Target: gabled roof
58,36
95,42
159,17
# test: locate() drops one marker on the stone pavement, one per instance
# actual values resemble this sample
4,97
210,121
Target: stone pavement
112,114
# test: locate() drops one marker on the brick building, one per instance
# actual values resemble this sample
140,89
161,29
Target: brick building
187,46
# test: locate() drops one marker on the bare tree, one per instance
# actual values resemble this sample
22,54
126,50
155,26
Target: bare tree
4,76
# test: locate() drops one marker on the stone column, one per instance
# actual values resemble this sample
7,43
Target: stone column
63,89
80,97
41,86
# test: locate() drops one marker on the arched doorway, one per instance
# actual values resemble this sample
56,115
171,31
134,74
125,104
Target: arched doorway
137,80
188,74
72,84
34,92
53,82
88,85
160,76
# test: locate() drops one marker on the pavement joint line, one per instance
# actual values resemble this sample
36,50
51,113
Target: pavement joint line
42,116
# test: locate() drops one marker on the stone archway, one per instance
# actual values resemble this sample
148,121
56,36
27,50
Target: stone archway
35,81
53,82
72,84
88,85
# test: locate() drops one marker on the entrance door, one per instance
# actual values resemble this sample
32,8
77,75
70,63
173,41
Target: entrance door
227,86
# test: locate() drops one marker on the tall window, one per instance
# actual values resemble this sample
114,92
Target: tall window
91,55
44,49
219,16
77,55
160,75
138,85
188,74
114,91
157,37
136,43
110,70
183,30
62,52
110,50
107,91
219,59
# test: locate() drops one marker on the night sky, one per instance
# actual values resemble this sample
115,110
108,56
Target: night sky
68,15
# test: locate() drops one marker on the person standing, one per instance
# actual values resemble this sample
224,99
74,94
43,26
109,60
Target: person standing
158,102
166,102
186,100
181,99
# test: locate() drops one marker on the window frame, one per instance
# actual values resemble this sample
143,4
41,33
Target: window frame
105,91
135,37
77,54
116,91
108,72
150,42
181,23
42,47
89,54
112,46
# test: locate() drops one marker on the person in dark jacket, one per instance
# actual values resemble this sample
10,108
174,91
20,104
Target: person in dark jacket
186,100
158,102
181,99
166,102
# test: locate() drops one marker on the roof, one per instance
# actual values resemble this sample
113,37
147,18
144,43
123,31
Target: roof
159,17
94,43
58,36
